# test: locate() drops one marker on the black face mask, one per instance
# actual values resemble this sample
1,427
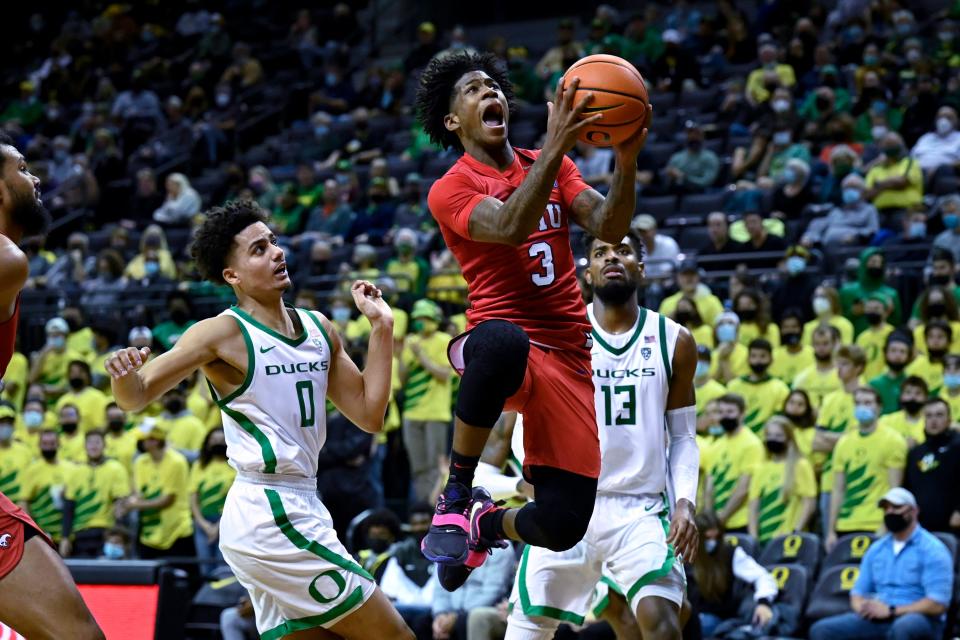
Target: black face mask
911,406
822,359
179,316
68,427
895,522
790,339
77,383
759,368
218,450
49,456
776,447
378,545
875,272
823,104
936,310
896,367
684,317
729,424
115,425
939,281
936,354
747,315
798,419
873,318
174,405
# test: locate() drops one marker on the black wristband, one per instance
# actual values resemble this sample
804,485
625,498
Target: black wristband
893,611
765,602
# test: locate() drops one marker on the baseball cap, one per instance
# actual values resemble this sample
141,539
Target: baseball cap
688,266
7,412
57,325
140,333
644,222
425,309
727,316
898,496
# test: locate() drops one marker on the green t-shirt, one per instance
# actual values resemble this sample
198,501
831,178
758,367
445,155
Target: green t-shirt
167,333
889,390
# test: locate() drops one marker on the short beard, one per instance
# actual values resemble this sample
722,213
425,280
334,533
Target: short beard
28,214
615,293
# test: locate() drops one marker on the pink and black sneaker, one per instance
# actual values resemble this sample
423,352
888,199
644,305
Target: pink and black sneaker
452,577
446,540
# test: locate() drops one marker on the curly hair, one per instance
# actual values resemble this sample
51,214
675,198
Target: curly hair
436,90
214,239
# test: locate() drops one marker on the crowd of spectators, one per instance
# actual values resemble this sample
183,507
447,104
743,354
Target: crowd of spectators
797,200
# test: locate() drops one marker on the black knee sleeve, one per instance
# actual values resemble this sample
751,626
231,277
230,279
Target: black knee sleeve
560,513
495,361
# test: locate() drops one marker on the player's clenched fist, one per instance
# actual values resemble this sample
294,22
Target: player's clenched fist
124,361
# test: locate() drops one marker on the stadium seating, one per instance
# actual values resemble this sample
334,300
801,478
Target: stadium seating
831,594
793,581
848,550
743,540
799,548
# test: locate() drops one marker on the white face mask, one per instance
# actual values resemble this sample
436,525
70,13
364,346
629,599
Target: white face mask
780,106
878,131
944,126
821,305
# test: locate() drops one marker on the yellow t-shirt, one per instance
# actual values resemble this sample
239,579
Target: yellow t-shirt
199,404
122,448
751,330
787,365
732,457
42,489
763,399
817,383
703,335
92,405
425,397
95,490
98,369
447,287
954,402
459,321
921,345
931,372
185,432
841,324
911,196
865,460
758,90
804,439
710,390
211,484
738,361
360,328
15,380
836,416
708,305
900,422
55,365
160,528
81,341
13,460
779,516
872,341
73,448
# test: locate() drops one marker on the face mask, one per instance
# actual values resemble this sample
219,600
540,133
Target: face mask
58,342
875,272
378,545
873,318
32,419
781,138
945,36
790,339
710,546
223,99
903,29
789,175
776,447
870,60
914,55
683,317
715,430
758,368
174,405
729,424
821,305
113,551
703,369
823,103
321,131
115,425
796,418
218,450
878,131
726,333
911,406
747,315
951,380
6,432
864,414
695,145
179,316
939,281
936,310
50,455
330,79
340,314
951,220
917,230
68,427
77,383
936,354
151,268
780,105
892,152
795,265
944,126
895,522
851,196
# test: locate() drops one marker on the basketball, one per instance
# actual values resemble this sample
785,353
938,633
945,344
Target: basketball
619,93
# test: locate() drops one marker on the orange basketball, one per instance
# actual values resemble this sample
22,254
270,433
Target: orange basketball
619,93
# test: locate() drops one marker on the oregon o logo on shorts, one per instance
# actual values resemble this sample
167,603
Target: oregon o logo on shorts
337,580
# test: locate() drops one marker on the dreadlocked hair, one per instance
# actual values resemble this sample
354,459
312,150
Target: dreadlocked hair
436,90
213,240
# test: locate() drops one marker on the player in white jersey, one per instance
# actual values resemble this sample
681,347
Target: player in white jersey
643,521
270,369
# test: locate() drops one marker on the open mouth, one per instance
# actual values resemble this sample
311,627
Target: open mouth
492,115
281,270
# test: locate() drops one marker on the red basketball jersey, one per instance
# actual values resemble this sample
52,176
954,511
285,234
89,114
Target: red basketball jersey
8,337
533,285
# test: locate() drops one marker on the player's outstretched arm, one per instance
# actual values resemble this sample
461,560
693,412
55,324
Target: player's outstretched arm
363,397
608,218
136,382
513,220
684,452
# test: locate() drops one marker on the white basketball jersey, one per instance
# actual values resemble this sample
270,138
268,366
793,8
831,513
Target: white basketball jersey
275,422
631,376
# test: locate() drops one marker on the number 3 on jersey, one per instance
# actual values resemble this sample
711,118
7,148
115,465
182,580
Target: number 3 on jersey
543,251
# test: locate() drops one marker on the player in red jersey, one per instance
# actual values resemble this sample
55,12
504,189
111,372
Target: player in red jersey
505,214
38,597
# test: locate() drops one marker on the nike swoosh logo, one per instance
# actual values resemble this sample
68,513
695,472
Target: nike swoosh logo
650,508
262,350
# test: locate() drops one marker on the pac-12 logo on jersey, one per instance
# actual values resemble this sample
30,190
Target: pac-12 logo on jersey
646,352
